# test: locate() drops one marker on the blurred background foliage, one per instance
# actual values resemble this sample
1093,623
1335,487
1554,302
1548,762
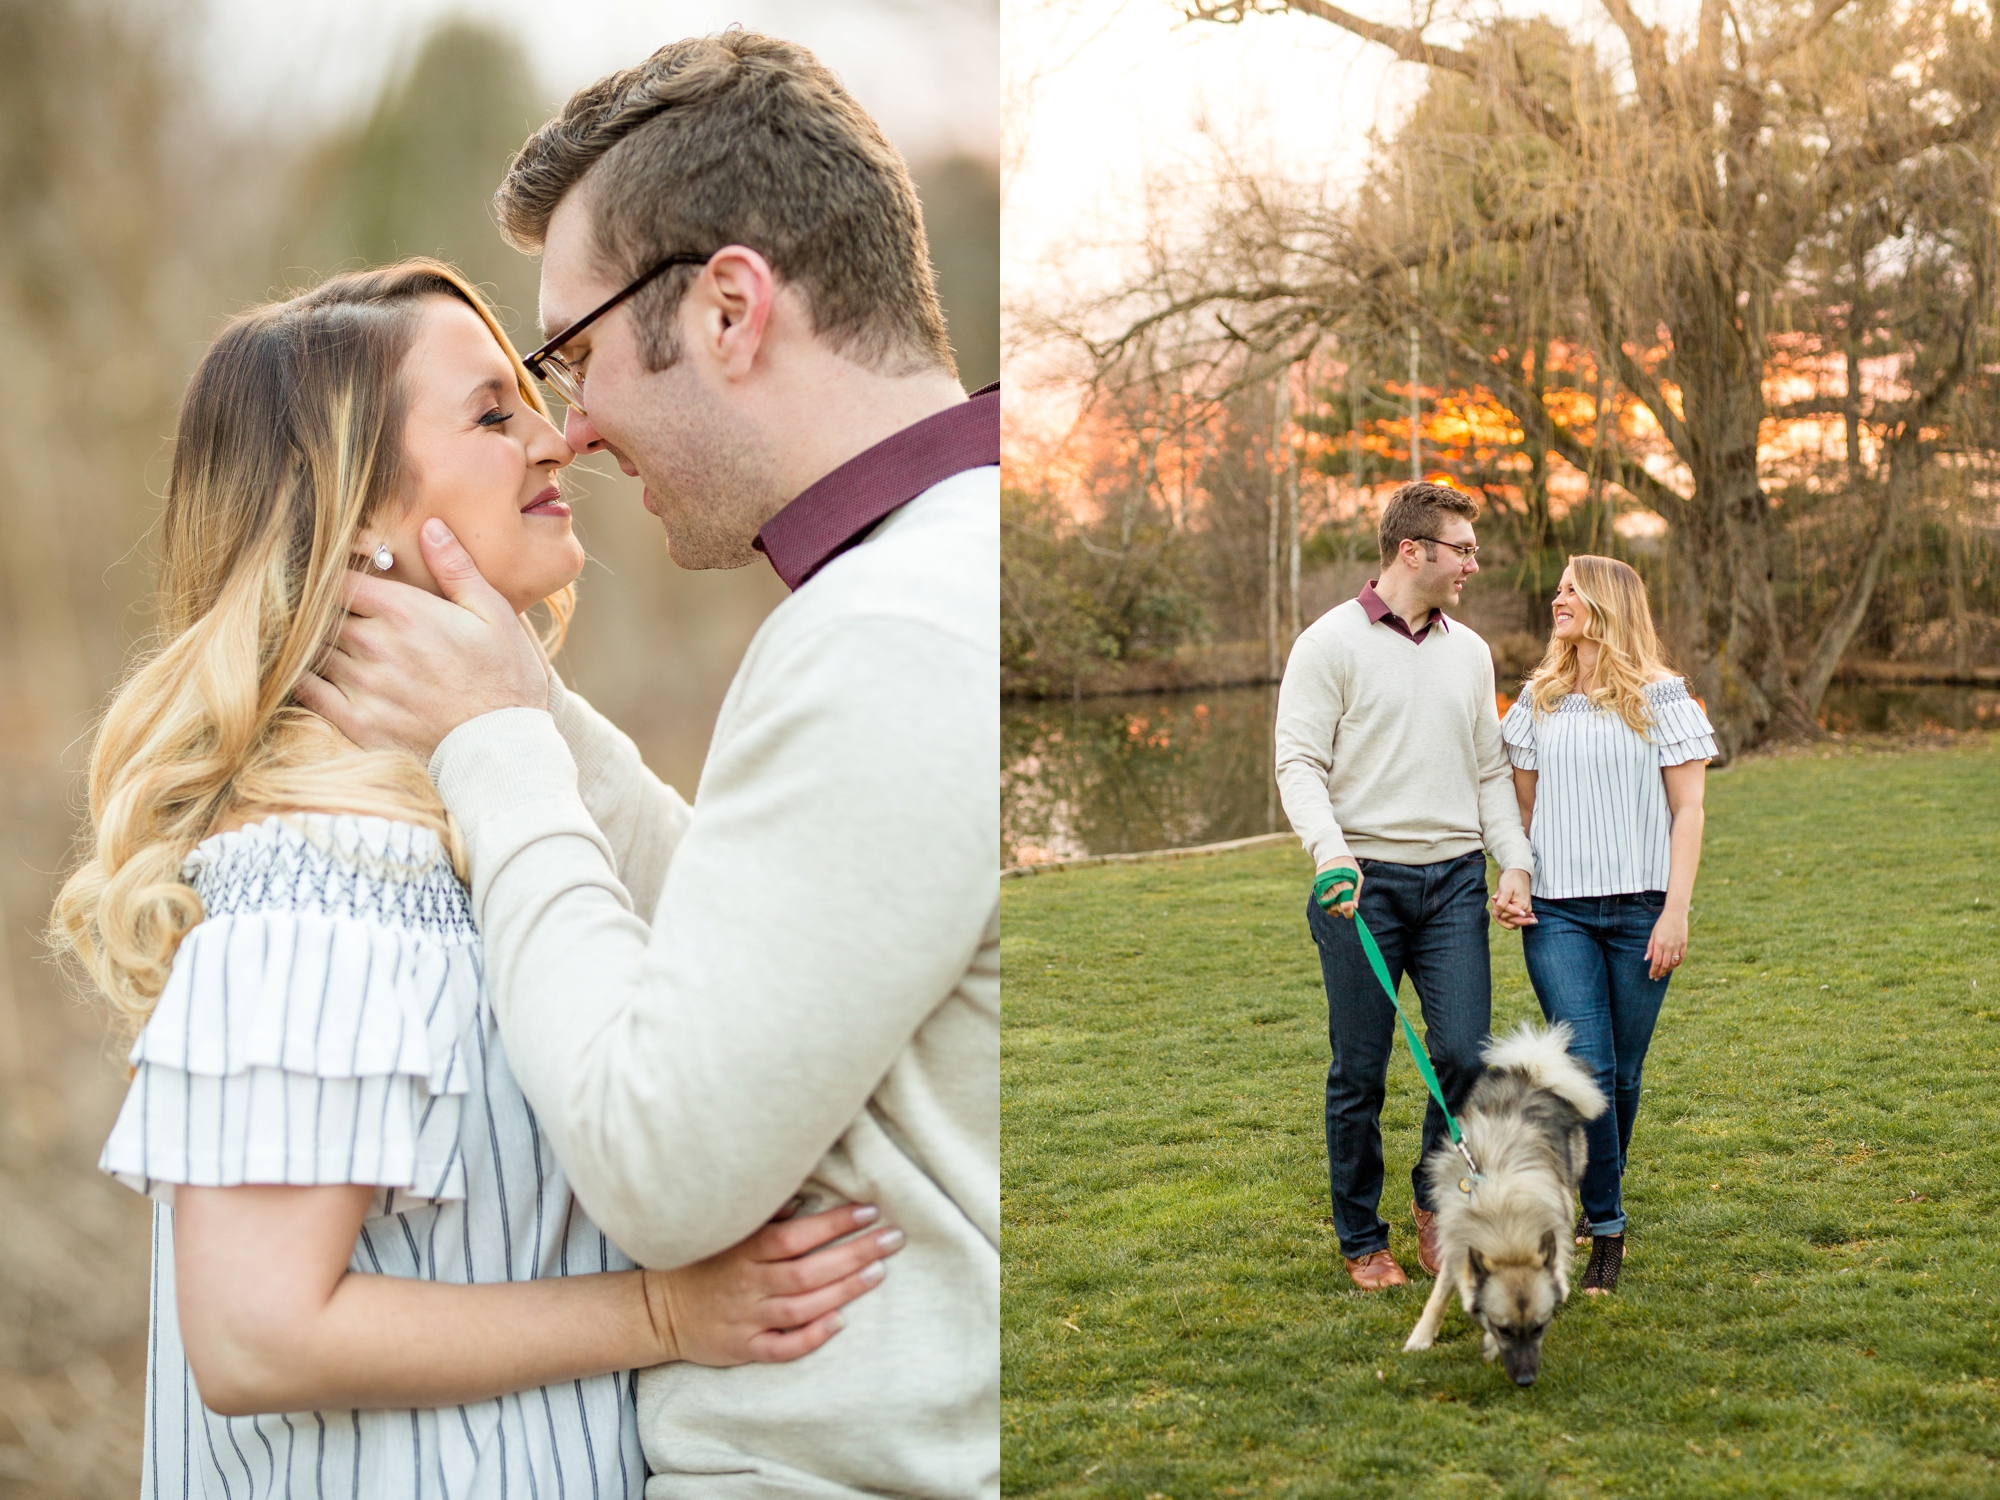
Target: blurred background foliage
138,215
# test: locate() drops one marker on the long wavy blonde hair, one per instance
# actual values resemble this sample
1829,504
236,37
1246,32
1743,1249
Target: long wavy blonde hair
1628,648
289,444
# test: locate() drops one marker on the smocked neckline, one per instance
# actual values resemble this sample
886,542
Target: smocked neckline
422,846
1647,689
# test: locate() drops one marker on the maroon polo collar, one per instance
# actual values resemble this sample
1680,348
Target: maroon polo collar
1379,613
835,512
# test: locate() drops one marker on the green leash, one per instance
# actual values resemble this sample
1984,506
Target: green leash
1336,886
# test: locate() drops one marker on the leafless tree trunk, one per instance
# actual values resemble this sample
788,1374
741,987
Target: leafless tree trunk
1961,647
1291,530
1280,402
1903,470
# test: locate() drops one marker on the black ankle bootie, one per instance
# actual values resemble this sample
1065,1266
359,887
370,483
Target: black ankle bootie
1607,1256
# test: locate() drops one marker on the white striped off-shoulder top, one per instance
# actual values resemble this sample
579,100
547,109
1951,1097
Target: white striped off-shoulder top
326,1023
1601,821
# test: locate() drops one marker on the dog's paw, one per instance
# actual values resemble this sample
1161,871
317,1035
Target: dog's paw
1417,1342
1489,1348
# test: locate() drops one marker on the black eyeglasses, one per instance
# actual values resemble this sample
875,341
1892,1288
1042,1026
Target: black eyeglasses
564,377
1462,551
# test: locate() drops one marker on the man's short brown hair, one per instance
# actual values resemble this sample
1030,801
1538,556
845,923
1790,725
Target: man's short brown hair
741,139
1415,512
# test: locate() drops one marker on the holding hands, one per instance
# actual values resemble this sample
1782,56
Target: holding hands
1512,907
1338,890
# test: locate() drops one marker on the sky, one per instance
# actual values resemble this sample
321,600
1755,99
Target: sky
1099,96
1105,100
925,69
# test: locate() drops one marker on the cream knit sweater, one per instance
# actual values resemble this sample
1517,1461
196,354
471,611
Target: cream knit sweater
1390,748
793,986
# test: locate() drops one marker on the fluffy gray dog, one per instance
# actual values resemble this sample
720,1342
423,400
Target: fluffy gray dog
1504,1240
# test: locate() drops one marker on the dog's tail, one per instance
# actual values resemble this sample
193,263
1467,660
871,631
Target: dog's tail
1543,1055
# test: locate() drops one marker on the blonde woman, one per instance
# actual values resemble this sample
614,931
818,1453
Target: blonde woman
369,1274
1610,753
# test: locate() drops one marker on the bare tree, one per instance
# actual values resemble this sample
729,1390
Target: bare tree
1667,223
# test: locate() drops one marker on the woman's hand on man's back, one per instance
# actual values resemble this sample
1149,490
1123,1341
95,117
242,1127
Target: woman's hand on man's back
774,1296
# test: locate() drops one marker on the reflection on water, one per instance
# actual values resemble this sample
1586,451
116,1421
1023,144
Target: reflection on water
1168,770
1908,710
1117,775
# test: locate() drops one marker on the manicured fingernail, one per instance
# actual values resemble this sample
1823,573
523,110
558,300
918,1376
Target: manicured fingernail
866,1213
889,1239
872,1272
435,531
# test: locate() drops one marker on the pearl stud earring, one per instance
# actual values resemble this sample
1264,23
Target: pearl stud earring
384,558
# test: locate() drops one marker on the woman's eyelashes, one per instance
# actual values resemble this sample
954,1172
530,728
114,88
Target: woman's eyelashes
496,417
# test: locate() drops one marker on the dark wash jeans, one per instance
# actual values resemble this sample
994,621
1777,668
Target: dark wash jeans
1587,961
1429,921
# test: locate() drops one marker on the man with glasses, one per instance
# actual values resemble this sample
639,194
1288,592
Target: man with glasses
1390,765
792,987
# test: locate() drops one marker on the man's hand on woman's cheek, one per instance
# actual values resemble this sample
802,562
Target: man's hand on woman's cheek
408,667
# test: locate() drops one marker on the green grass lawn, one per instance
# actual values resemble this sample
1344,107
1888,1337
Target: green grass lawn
1811,1301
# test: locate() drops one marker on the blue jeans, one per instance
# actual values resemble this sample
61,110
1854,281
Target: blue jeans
1428,920
1587,960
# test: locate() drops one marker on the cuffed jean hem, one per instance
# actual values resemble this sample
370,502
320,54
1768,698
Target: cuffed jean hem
1586,957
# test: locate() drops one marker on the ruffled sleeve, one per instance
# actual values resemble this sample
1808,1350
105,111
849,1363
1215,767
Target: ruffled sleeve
1517,730
312,1031
1680,730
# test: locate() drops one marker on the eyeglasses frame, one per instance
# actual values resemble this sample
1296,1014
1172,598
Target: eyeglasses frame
545,364
1464,552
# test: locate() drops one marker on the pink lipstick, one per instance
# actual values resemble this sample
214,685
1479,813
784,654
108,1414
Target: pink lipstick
548,503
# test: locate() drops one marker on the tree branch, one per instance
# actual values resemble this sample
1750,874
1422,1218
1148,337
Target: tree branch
1795,37
1406,43
1526,404
1893,147
1626,473
1654,399
1811,406
1634,375
1401,40
1644,42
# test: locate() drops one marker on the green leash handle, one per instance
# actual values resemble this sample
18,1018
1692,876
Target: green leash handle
1329,890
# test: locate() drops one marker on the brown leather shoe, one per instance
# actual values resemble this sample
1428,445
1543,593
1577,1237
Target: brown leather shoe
1427,1239
1376,1271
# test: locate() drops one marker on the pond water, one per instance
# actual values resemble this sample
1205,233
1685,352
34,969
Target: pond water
1170,770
